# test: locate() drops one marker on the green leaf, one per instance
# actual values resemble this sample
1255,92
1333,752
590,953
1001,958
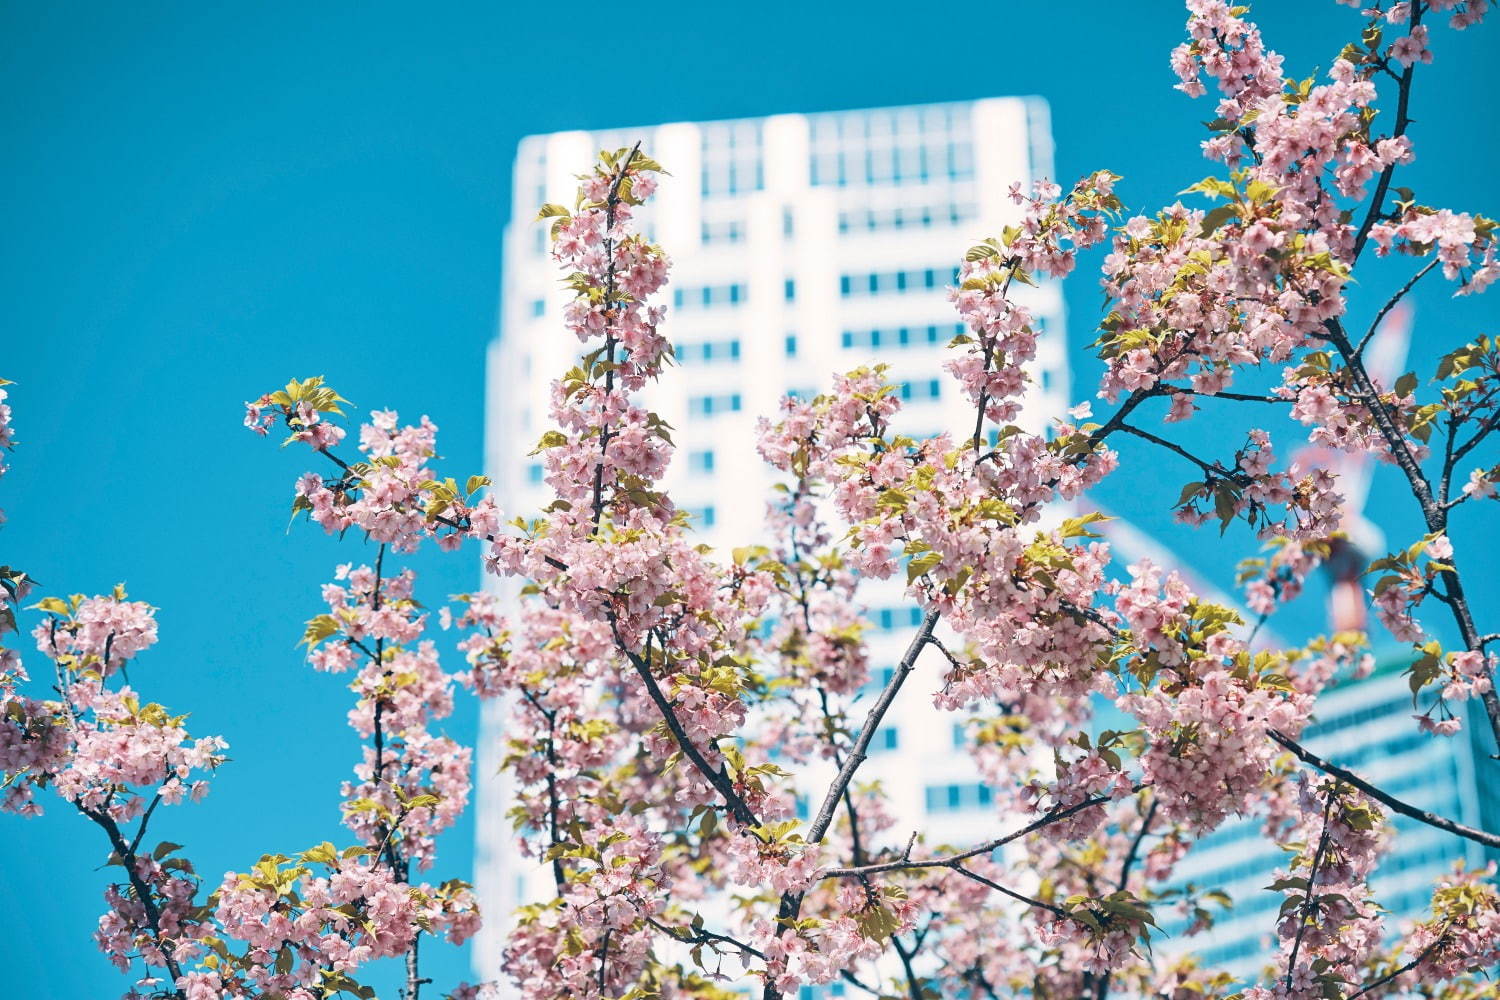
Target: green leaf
551,439
1217,216
318,629
877,923
51,605
921,564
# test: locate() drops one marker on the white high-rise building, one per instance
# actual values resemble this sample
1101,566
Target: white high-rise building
802,245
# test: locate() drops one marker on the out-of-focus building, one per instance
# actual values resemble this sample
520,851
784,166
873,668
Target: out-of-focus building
1367,726
802,245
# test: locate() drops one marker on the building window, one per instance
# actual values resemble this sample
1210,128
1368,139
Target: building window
789,289
960,736
931,335
921,389
708,351
906,216
704,516
534,473
722,231
701,462
732,157
958,798
888,738
889,282
538,307
709,296
791,345
788,223
887,619
878,681
707,406
897,146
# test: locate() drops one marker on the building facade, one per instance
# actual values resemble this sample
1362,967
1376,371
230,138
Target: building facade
802,245
1367,726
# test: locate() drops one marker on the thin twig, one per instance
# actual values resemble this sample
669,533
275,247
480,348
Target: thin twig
1309,904
947,861
1390,304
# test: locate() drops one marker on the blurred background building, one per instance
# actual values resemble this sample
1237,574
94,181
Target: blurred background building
1367,726
802,245
805,245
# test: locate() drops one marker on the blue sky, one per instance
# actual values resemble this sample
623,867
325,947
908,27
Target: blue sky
202,201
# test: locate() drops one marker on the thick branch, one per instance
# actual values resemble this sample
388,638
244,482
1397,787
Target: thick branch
1403,98
867,731
718,778
143,891
1433,512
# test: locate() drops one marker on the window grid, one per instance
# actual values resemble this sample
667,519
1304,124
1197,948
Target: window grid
902,336
887,619
708,351
707,406
722,231
920,390
958,798
733,158
891,146
709,296
897,282
906,217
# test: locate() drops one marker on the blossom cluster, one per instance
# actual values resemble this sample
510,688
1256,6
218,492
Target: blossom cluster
98,747
1329,924
670,711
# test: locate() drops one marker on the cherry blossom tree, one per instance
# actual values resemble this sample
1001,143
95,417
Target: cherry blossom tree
667,700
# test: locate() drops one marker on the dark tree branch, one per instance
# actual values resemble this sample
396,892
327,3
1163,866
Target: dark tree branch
612,202
1390,801
1397,973
1390,304
857,754
718,778
948,861
1433,512
143,892
1403,98
1018,897
1214,469
1309,904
